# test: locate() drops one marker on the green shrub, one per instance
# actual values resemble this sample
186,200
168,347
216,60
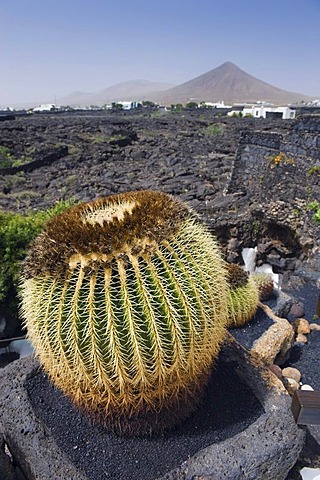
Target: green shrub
213,129
177,107
192,105
16,233
315,169
314,206
8,160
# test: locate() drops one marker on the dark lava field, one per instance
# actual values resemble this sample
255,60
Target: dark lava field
187,154
191,154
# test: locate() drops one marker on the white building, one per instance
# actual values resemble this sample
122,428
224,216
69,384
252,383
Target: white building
129,105
47,107
214,105
262,111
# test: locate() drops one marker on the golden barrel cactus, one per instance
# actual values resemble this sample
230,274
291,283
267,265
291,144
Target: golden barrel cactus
125,302
265,285
243,296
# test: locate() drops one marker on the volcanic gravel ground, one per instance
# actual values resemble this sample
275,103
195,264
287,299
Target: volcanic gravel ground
228,408
251,331
306,357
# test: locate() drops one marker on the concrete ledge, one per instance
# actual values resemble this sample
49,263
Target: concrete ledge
267,449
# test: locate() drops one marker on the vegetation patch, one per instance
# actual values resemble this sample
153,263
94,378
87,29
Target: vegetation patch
7,160
212,130
315,208
16,233
281,159
90,137
315,170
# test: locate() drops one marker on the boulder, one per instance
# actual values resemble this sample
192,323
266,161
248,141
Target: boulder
6,468
269,335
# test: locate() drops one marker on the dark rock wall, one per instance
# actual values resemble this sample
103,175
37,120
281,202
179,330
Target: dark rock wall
255,171
275,176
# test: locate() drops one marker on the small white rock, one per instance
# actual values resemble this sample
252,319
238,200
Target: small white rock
307,387
310,473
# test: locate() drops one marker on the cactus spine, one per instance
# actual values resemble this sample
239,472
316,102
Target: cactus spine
243,296
125,302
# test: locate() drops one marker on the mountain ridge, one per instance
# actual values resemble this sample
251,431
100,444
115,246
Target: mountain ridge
226,82
129,90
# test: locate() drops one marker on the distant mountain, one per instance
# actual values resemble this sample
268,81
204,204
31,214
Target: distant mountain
226,82
136,90
230,84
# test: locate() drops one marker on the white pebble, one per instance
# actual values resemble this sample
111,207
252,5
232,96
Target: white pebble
310,473
307,387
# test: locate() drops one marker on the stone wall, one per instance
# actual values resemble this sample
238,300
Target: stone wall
45,159
266,163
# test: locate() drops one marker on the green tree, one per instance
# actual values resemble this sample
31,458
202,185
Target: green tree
177,107
117,106
148,103
191,105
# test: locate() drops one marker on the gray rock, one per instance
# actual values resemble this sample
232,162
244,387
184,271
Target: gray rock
6,469
297,310
310,454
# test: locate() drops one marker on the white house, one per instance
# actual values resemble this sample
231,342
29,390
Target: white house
47,107
214,105
262,111
129,105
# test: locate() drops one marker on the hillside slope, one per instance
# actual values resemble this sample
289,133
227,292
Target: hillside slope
230,84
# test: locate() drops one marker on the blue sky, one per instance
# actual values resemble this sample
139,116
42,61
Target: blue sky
50,48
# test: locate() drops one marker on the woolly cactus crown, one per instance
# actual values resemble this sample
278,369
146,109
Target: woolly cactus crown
134,222
125,299
237,276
